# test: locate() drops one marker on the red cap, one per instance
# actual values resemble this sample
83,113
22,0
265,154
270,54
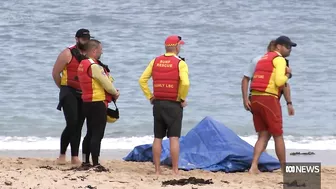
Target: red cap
174,40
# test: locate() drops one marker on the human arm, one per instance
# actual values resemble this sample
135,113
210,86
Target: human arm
62,60
146,75
281,76
288,99
244,88
248,74
99,74
287,93
184,80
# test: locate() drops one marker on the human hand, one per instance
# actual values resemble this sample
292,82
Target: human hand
288,70
290,109
116,96
247,104
151,100
184,104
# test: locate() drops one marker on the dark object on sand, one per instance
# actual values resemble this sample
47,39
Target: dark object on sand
302,153
122,182
226,182
90,187
86,167
190,180
47,167
293,184
100,168
81,168
82,178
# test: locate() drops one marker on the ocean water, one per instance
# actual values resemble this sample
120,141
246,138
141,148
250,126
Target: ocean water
221,38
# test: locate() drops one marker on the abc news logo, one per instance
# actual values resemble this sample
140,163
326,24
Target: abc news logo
302,169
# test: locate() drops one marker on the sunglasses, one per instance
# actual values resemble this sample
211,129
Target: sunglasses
289,47
179,40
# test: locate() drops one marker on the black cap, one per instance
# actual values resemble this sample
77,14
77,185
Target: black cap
83,33
284,40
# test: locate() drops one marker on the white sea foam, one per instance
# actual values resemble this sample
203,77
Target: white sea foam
124,143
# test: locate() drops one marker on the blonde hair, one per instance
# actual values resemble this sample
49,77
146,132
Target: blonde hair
92,44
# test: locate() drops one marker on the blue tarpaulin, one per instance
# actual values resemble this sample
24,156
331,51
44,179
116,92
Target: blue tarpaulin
210,146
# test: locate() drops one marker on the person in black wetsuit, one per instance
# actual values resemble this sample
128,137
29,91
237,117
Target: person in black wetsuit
97,92
65,76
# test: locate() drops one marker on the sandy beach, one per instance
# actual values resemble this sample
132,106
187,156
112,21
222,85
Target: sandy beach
25,173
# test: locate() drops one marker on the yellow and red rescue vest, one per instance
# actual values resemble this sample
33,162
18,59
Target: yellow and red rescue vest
264,75
92,91
69,74
166,77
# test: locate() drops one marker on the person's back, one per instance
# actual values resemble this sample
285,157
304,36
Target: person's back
264,81
166,79
171,86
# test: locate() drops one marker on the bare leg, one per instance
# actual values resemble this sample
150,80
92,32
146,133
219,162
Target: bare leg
157,148
260,146
174,153
280,150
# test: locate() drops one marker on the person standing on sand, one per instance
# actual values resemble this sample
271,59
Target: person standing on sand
271,73
97,91
65,76
249,74
171,87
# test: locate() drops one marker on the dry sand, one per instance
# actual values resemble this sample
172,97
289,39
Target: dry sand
35,173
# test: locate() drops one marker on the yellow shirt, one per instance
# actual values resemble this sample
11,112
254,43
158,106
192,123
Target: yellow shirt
184,79
104,80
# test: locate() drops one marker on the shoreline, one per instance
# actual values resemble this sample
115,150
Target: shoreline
322,156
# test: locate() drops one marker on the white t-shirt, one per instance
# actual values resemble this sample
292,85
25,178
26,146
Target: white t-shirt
251,67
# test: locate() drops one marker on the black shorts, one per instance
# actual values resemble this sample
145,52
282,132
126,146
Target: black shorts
167,118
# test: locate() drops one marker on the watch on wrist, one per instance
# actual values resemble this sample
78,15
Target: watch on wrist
289,75
289,103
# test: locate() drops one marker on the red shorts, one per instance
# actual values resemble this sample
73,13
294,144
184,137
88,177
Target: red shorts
267,114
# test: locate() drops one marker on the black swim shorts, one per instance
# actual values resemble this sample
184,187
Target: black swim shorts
167,118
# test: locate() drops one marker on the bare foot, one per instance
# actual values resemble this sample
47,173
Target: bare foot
76,161
61,160
254,170
158,172
176,173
